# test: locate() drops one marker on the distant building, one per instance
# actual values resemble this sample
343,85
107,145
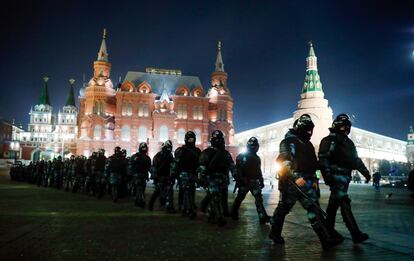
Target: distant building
49,136
371,147
151,106
410,146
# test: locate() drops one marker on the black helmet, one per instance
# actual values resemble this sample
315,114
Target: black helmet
190,138
304,127
143,147
217,139
101,152
253,144
167,146
117,150
59,158
124,152
342,124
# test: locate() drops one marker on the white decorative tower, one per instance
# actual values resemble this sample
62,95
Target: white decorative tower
66,129
312,100
41,120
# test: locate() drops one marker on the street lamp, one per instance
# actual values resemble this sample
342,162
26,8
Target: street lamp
15,147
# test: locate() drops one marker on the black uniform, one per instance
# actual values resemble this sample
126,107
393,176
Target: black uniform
297,156
140,165
98,168
249,178
215,164
160,174
116,169
337,158
184,168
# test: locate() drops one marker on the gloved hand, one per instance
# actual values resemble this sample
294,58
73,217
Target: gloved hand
300,182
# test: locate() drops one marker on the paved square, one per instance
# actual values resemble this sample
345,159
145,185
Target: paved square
46,224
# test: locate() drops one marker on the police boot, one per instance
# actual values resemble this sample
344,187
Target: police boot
235,209
350,222
204,203
276,231
321,230
152,201
330,220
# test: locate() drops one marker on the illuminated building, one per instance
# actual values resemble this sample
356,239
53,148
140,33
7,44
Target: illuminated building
151,106
371,147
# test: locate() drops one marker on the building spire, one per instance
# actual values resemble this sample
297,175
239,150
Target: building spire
103,54
44,95
219,60
311,51
71,98
312,80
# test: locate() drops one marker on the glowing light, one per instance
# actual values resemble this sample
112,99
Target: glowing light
278,167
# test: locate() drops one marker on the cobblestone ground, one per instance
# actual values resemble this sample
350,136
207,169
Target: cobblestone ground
45,224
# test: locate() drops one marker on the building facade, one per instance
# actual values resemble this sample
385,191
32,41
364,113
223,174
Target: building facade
371,147
50,135
151,106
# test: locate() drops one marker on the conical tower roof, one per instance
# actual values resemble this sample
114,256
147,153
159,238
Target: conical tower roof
103,53
219,60
312,81
44,95
71,98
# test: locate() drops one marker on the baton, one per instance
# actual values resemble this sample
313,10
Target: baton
308,198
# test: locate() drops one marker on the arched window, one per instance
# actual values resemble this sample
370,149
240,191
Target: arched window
163,133
97,132
180,135
198,136
142,134
125,133
102,108
95,107
129,109
123,112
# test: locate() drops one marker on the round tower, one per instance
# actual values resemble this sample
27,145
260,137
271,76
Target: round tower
312,100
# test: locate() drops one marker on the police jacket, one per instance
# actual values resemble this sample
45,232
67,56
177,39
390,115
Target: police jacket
161,164
297,156
248,166
140,163
216,161
338,155
186,159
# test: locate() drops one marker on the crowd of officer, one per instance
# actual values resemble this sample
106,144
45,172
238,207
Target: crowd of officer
189,168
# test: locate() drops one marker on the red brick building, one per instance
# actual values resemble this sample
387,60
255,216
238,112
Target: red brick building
151,106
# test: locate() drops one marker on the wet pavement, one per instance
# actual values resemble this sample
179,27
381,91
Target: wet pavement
46,224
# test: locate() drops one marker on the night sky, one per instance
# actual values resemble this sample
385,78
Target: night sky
364,49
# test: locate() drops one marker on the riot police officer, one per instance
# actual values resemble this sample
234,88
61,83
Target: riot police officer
160,174
298,181
338,157
115,169
98,167
184,168
139,166
58,172
215,164
248,177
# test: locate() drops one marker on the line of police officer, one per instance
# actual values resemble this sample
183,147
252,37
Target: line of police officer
190,168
